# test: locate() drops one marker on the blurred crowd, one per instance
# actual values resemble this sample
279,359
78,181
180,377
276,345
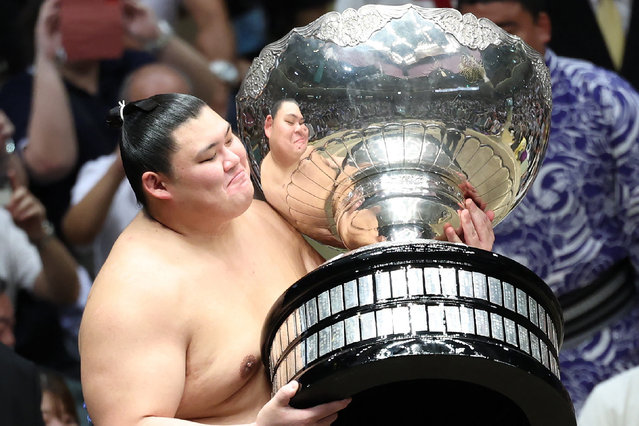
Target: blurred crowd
65,198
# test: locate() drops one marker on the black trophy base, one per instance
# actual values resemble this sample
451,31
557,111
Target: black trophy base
422,333
431,402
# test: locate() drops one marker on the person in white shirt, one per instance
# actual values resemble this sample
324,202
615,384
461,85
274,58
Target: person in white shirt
613,402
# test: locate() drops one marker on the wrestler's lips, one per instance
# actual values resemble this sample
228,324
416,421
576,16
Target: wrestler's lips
239,178
300,142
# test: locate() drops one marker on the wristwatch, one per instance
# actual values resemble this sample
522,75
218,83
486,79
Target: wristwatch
166,32
48,232
224,70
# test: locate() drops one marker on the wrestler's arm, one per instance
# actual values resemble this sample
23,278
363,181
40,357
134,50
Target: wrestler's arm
133,347
133,350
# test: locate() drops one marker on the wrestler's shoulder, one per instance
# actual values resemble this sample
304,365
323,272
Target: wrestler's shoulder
268,216
144,236
264,211
141,261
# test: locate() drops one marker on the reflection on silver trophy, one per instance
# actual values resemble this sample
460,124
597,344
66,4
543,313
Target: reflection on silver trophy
407,112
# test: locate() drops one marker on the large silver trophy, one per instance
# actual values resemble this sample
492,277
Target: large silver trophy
410,110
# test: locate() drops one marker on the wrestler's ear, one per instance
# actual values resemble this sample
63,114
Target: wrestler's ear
153,185
268,126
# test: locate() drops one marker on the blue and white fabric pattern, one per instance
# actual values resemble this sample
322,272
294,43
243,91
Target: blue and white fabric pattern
581,215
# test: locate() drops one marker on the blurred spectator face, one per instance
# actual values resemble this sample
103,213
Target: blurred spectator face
153,79
7,321
515,19
54,412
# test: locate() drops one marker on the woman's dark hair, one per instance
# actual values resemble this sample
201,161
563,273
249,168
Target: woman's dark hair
147,126
64,403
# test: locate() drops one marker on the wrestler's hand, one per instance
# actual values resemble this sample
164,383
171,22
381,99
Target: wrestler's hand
476,228
278,412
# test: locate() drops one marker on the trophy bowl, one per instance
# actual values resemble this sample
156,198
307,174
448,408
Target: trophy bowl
409,111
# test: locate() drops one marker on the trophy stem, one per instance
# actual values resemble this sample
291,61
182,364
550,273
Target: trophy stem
395,205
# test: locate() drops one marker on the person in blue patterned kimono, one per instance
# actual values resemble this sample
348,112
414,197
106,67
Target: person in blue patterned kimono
578,225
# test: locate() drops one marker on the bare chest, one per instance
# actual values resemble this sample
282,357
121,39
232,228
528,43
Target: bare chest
225,377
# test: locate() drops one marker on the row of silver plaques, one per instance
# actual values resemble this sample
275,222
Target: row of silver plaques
431,302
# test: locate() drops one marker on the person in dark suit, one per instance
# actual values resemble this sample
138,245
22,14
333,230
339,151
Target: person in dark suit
575,33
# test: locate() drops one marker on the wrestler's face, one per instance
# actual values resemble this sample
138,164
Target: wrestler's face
515,19
210,170
287,132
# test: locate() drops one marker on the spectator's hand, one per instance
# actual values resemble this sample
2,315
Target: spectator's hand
26,210
6,127
48,39
476,227
140,24
278,412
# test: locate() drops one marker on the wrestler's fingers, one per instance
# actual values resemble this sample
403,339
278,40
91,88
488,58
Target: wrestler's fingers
328,420
471,237
284,395
451,234
480,221
477,226
327,409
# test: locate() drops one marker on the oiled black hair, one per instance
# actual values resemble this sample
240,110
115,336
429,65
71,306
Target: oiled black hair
147,127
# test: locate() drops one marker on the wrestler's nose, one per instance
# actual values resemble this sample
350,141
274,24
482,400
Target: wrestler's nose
301,128
231,159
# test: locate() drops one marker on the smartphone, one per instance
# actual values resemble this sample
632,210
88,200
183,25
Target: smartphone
92,29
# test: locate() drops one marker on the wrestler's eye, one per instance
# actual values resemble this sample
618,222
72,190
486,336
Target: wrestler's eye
209,159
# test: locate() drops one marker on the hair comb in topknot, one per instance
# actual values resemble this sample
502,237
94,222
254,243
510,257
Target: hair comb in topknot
116,115
146,105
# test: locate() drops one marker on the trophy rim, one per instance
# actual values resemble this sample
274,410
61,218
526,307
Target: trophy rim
449,20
